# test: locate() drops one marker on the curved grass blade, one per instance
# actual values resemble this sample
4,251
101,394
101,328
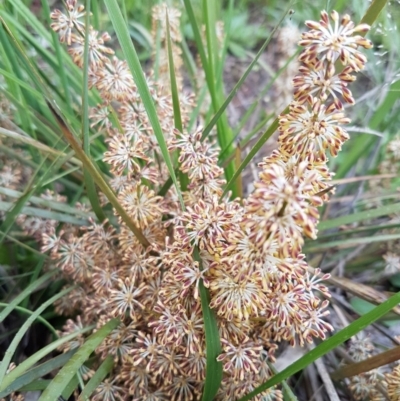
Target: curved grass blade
213,343
33,211
24,328
45,203
29,312
215,81
70,369
89,183
134,65
103,370
172,76
38,372
24,366
183,178
328,345
288,394
25,293
233,92
13,210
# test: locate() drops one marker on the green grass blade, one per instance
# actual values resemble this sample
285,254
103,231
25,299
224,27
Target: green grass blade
34,276
328,345
36,385
183,178
22,244
29,312
140,80
103,370
38,372
360,216
24,366
288,394
373,11
14,211
89,183
197,35
45,203
215,83
24,328
58,49
70,369
25,293
19,208
233,92
264,137
213,343
69,388
172,76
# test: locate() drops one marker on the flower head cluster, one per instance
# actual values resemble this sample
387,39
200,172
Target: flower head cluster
248,254
314,124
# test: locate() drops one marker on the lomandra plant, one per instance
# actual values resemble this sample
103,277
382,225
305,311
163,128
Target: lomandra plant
205,285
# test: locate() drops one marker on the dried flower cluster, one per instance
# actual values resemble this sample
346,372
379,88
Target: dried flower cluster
248,254
379,384
370,385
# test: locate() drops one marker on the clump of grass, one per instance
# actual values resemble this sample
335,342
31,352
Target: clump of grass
186,286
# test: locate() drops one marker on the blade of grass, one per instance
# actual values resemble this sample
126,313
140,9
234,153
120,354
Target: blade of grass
140,80
89,183
71,386
22,244
327,345
24,328
34,276
172,76
287,391
358,217
210,69
183,178
19,208
38,372
29,312
13,210
215,82
24,366
36,385
213,344
373,11
54,205
233,92
61,65
70,369
104,369
25,293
